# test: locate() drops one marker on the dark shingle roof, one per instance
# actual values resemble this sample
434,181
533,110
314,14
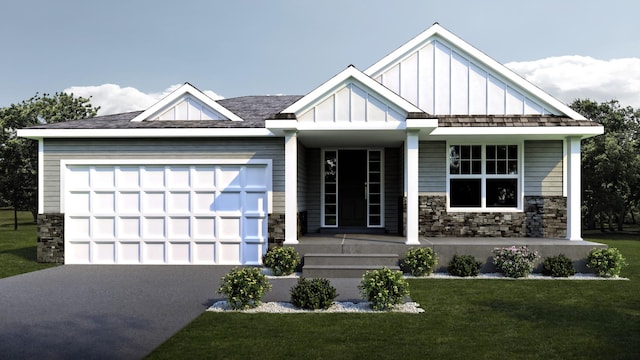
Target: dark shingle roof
256,109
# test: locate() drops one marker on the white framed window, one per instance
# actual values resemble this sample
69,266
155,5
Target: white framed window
484,177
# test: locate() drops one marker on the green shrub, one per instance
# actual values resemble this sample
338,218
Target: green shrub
420,261
313,294
383,288
464,265
606,262
244,287
514,261
281,260
558,266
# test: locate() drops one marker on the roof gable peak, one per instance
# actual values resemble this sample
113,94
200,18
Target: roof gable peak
186,103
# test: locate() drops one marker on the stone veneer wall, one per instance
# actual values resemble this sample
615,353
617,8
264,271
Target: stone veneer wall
50,238
276,227
544,216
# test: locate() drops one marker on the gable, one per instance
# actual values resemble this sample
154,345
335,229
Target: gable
351,97
184,104
443,75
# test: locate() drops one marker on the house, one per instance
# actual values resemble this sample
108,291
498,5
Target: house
437,139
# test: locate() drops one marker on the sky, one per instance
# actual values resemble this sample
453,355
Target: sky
127,54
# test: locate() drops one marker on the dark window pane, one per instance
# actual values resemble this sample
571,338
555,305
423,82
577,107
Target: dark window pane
374,188
374,220
465,193
374,209
491,167
454,159
329,220
513,151
476,151
330,209
502,193
501,167
513,167
476,167
374,155
465,152
374,166
465,167
501,152
374,199
328,177
330,188
330,199
491,152
374,177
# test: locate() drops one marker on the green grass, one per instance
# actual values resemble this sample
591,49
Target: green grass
464,319
18,248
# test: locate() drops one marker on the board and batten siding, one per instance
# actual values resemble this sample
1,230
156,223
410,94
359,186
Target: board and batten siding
432,175
313,195
302,178
543,168
56,150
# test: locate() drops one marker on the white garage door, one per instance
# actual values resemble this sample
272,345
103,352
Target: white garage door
165,214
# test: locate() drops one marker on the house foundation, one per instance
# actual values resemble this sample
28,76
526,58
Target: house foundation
50,238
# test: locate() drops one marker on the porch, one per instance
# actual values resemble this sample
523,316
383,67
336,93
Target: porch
343,255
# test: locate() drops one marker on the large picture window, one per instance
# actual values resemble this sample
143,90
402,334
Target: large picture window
484,176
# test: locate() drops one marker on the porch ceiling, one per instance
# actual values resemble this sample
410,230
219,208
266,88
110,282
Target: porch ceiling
352,138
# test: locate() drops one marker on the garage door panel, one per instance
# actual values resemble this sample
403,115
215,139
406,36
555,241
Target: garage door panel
129,252
104,252
179,252
166,214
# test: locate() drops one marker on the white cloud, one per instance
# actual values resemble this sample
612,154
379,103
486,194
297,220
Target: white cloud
114,99
583,77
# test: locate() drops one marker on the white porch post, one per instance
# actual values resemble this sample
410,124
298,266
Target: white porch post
291,187
411,186
574,205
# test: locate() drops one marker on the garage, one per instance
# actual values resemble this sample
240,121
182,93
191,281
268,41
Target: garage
158,213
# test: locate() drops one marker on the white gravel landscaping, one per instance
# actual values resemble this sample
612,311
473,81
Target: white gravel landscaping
337,307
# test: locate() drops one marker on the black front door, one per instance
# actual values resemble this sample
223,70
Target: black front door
352,196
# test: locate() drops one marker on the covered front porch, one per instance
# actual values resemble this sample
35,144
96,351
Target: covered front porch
352,254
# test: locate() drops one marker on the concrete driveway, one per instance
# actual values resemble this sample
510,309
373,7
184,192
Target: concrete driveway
113,312
101,312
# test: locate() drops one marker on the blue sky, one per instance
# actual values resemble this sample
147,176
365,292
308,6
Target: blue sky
126,53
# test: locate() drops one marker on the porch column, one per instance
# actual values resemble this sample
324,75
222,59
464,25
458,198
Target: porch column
411,186
574,205
290,187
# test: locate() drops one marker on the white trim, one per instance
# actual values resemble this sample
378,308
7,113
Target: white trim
437,32
40,176
291,188
182,91
483,177
412,171
574,211
421,123
565,173
143,133
342,79
64,163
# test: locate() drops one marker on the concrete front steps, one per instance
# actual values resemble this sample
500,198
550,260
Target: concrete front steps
341,265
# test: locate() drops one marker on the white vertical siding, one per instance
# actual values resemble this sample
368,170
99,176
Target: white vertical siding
444,81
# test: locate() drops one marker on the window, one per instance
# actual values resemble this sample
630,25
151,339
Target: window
484,176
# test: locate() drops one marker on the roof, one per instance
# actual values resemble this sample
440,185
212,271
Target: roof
254,110
510,121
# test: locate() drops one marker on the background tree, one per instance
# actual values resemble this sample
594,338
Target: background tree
610,164
18,156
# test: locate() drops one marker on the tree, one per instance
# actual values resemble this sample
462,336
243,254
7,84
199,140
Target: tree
610,164
18,156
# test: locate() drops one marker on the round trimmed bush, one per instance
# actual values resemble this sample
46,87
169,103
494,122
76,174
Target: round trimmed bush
383,288
606,262
514,262
464,266
313,294
558,266
244,287
420,261
281,260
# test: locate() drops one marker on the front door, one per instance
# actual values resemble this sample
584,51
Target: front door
352,188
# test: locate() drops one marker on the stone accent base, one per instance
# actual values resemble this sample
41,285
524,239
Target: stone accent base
50,238
276,227
544,217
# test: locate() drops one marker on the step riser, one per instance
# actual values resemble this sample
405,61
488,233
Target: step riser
350,260
336,273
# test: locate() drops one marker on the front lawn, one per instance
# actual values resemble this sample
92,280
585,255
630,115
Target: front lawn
18,248
464,319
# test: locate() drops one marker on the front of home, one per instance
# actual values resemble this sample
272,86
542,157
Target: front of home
435,140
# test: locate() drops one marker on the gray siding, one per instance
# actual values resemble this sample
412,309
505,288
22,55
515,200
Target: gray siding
233,148
432,176
543,168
